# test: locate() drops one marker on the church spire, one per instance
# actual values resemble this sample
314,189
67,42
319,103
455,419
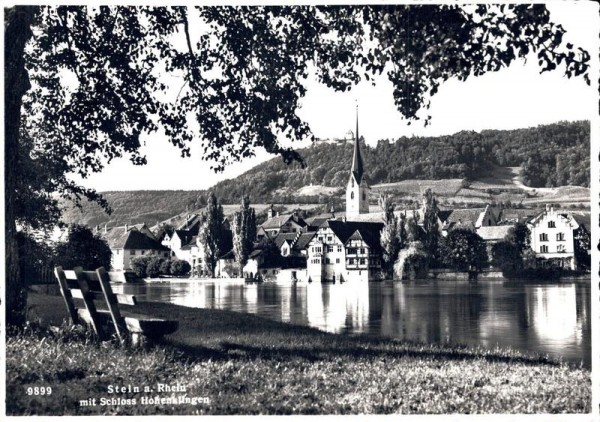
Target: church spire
357,163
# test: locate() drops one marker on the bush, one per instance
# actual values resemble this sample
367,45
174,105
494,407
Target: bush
139,265
165,267
153,268
412,262
180,267
507,257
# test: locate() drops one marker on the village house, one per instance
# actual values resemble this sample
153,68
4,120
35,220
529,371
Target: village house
553,238
127,242
177,241
343,251
276,224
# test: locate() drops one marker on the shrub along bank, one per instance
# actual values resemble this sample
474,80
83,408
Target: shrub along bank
244,364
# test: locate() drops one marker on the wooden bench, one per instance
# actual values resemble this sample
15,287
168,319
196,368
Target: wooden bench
100,307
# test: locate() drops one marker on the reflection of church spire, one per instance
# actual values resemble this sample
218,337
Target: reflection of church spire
357,164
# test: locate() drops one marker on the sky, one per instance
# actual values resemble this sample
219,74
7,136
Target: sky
514,97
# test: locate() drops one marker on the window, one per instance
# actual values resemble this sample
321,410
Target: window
142,252
352,193
362,261
329,238
327,261
133,252
166,254
337,260
351,261
551,224
560,248
339,248
362,251
543,237
560,236
544,249
364,196
351,251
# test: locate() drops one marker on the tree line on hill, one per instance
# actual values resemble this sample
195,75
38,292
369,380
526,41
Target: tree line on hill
550,155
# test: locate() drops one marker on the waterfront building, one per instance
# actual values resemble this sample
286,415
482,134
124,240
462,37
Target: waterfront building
127,242
344,251
553,238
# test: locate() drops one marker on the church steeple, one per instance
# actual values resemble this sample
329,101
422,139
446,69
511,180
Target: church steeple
357,163
357,190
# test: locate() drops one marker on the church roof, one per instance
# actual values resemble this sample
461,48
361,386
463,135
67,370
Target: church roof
357,162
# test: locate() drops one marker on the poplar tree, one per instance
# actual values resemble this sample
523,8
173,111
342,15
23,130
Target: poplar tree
211,234
390,235
243,227
430,224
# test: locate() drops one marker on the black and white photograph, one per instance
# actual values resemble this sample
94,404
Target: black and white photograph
327,208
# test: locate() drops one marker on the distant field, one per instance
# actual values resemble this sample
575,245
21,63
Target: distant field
416,187
313,190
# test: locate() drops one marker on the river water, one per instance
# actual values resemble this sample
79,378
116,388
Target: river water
553,319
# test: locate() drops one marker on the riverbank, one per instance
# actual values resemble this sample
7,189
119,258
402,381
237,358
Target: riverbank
244,364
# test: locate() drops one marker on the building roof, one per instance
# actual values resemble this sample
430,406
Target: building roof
583,219
277,221
518,215
162,231
191,223
444,214
116,236
464,215
186,236
303,240
318,220
281,238
138,240
369,232
490,233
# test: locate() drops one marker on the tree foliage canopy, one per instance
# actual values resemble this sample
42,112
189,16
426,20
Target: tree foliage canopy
83,249
465,250
233,77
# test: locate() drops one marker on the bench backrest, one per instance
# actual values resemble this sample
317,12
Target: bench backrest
93,287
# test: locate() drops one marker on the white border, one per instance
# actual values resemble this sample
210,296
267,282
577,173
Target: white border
595,222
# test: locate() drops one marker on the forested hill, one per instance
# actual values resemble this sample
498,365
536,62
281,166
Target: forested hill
550,155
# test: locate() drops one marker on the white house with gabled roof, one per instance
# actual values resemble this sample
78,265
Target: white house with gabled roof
553,237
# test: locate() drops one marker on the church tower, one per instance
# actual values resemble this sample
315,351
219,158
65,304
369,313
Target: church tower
357,190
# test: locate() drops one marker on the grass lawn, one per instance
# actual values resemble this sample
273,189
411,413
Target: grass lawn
245,364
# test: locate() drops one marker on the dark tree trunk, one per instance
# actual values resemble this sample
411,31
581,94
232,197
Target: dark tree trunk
17,31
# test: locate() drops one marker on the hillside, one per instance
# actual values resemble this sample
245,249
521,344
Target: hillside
549,155
528,166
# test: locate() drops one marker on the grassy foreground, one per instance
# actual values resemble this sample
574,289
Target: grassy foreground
243,364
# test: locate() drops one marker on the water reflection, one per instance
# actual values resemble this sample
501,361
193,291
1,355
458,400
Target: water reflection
550,319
